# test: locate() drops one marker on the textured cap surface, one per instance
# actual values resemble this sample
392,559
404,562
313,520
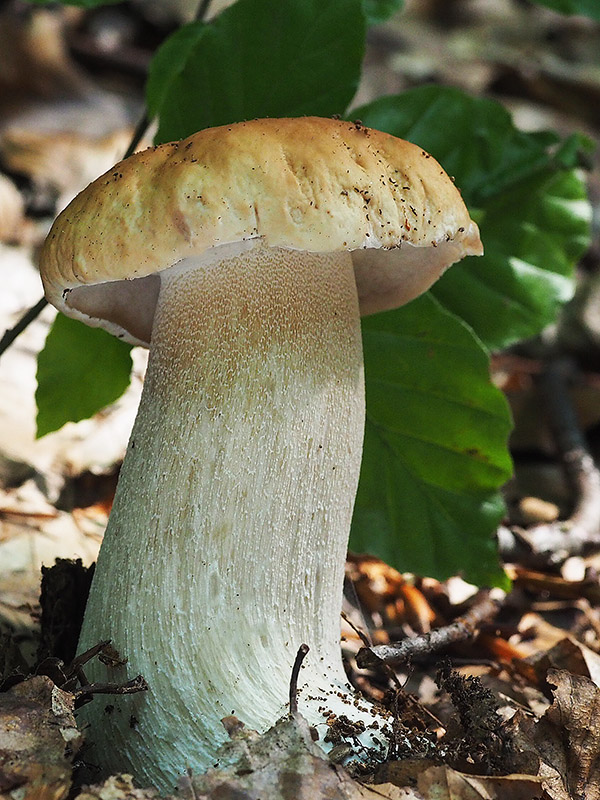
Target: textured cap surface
306,183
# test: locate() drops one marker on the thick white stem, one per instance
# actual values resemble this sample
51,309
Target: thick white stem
226,545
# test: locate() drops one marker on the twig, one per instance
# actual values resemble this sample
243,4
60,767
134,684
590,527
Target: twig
137,135
367,644
300,656
361,634
483,609
188,784
137,684
11,334
83,658
202,10
66,676
550,544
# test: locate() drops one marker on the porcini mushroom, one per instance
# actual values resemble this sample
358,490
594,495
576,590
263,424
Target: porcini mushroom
243,256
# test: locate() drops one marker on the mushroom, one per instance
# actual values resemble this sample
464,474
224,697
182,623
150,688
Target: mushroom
243,257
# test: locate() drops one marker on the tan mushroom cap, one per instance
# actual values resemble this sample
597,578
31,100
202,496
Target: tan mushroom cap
320,185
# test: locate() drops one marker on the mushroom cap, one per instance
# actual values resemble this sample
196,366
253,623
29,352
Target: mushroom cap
312,184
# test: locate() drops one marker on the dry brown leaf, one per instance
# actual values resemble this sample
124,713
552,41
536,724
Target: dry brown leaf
537,633
567,739
419,614
402,773
282,764
569,655
444,783
38,739
374,581
556,586
432,782
387,791
117,787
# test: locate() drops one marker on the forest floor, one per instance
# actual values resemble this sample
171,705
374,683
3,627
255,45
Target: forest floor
492,694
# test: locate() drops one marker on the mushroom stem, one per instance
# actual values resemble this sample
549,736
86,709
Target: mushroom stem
226,545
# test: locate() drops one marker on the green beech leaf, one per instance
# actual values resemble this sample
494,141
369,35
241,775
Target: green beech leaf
80,371
473,138
435,446
522,189
378,11
258,59
533,234
589,8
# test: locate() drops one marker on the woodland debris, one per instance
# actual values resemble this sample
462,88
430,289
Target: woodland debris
484,609
38,741
72,677
412,738
29,541
534,510
282,764
64,591
547,545
293,695
133,686
566,655
566,740
382,589
23,322
445,783
485,743
555,586
118,787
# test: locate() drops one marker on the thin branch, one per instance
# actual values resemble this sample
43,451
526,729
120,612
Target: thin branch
360,633
27,318
82,659
202,10
145,121
138,135
137,684
300,656
483,610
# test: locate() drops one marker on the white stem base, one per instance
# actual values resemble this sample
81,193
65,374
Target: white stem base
226,545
